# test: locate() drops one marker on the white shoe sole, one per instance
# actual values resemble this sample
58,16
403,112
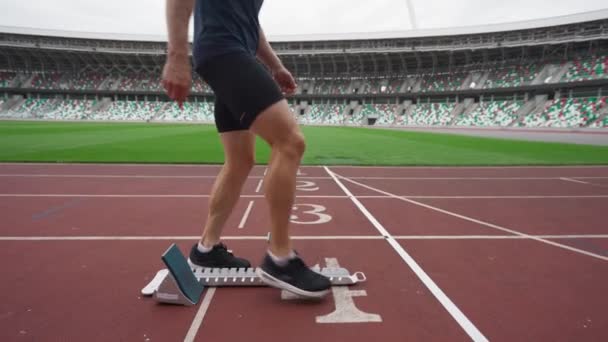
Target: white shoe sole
274,282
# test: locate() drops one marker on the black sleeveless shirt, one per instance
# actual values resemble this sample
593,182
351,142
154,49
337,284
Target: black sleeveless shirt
224,26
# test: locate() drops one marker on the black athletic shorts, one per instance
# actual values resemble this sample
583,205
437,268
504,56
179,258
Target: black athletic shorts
243,89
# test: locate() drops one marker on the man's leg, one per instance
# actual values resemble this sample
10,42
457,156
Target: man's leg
239,152
281,267
280,130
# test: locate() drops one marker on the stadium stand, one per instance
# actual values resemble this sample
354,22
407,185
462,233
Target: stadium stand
26,108
512,76
490,114
323,114
394,86
354,116
567,112
589,68
379,114
442,82
192,111
601,123
6,78
87,81
129,111
140,81
429,114
504,78
49,80
69,110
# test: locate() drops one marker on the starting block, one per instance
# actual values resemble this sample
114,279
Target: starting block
183,283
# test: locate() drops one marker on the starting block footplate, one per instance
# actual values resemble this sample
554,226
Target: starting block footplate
192,279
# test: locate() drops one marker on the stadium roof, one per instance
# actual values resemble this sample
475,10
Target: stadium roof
504,27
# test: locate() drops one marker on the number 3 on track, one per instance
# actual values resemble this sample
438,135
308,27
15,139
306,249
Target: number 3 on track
315,215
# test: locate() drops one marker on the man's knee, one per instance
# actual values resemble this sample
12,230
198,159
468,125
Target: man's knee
298,144
293,146
279,129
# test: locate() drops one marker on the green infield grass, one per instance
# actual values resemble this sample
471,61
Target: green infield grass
195,143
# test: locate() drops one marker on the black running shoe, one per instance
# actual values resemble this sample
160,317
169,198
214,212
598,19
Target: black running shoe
294,277
218,257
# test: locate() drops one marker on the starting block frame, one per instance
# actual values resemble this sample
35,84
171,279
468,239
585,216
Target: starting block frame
183,283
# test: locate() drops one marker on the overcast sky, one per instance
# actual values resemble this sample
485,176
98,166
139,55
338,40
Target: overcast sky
288,17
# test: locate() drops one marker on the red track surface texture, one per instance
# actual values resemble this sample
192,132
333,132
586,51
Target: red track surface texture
451,254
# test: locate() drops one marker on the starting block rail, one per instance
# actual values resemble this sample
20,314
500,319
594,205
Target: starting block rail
182,283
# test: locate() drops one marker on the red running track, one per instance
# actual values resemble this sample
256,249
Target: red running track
451,254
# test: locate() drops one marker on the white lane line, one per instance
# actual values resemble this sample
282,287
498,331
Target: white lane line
497,237
40,175
246,215
315,166
177,238
567,179
300,237
447,303
259,187
470,219
472,178
118,238
198,319
486,197
152,196
114,164
302,196
472,167
112,176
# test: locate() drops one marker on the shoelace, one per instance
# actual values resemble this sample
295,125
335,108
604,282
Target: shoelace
297,262
223,247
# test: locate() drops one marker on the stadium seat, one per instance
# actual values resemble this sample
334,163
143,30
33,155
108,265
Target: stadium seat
512,76
28,109
51,80
566,112
385,113
87,80
442,82
69,110
192,111
488,114
430,114
6,78
590,68
129,111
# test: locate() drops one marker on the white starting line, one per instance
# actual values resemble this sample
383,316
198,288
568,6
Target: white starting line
306,237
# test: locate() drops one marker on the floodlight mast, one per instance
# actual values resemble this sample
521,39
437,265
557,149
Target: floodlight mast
410,9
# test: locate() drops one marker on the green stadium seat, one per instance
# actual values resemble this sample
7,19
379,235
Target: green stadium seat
430,114
512,76
566,113
591,68
491,114
192,111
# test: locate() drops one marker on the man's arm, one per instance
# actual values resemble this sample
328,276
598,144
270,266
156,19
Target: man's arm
281,75
177,73
266,54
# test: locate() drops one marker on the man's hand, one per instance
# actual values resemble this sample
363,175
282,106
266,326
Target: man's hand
177,77
177,73
285,80
280,74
